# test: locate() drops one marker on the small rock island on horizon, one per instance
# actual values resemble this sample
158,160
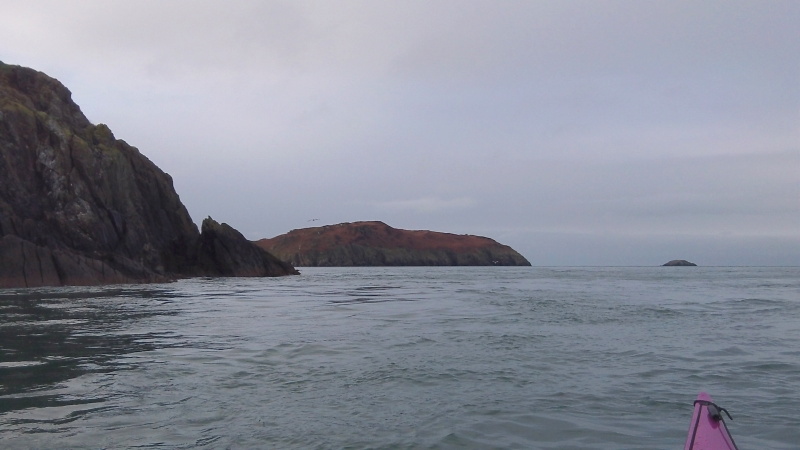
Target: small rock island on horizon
679,263
375,243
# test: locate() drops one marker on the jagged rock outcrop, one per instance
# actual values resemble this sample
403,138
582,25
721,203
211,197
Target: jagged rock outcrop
224,251
378,244
680,262
78,206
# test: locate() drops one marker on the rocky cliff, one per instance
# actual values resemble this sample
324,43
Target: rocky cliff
378,244
78,206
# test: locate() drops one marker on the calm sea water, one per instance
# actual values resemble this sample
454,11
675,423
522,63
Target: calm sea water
542,358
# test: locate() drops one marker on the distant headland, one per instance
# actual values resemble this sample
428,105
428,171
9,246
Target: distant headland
377,244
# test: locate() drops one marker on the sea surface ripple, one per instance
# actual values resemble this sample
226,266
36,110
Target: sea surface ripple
534,358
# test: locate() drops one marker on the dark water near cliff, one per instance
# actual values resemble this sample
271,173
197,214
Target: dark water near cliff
585,358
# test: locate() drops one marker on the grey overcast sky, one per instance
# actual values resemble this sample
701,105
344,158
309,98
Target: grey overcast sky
578,132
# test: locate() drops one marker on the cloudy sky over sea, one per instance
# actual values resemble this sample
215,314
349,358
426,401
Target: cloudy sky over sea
578,132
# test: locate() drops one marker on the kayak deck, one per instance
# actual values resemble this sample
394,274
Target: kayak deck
707,430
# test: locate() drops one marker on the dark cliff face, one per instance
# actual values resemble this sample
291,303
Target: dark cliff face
223,250
377,244
77,205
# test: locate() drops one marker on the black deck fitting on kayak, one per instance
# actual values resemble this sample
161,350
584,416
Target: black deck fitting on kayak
714,410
